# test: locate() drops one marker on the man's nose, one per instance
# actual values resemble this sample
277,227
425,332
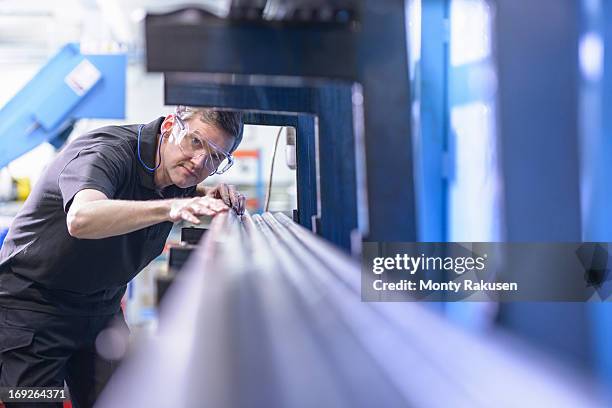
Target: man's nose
199,162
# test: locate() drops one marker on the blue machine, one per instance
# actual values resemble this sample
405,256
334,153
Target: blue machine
70,86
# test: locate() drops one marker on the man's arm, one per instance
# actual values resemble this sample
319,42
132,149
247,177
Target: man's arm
92,215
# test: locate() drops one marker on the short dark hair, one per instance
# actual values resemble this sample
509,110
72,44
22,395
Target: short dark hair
229,121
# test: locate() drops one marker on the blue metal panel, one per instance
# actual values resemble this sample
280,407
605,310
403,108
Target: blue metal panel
384,76
306,170
538,92
596,148
433,123
58,100
18,131
537,65
107,100
46,106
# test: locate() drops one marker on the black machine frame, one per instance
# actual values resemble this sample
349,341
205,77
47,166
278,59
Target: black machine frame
344,85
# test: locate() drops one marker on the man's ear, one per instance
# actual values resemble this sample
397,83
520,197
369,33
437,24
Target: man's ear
166,126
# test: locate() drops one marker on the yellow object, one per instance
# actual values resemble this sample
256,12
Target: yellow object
22,185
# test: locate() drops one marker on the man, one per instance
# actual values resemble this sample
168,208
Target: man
101,212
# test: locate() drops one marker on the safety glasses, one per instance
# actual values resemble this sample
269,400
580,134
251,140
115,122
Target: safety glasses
193,145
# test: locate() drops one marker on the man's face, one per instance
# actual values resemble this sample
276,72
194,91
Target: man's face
179,167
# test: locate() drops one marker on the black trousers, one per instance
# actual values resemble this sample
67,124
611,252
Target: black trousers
39,349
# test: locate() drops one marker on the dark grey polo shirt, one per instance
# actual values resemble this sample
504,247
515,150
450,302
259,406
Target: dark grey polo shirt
42,267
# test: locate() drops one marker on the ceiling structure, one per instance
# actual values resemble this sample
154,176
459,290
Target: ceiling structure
33,30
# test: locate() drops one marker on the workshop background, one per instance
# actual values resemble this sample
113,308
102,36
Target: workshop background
501,133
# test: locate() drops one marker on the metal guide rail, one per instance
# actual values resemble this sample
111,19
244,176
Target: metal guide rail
266,314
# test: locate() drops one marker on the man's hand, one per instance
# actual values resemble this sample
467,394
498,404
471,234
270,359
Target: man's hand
189,209
230,196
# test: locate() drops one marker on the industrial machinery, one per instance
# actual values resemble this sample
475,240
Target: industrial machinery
320,68
70,86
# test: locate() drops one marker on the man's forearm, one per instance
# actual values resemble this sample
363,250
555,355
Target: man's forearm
107,218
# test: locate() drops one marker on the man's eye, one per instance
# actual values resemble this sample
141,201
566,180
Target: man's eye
196,143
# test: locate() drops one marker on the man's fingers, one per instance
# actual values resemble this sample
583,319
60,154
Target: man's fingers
199,209
221,197
212,192
242,203
222,192
225,194
237,199
187,216
190,209
214,204
234,197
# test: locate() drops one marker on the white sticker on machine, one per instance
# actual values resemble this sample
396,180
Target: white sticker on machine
82,77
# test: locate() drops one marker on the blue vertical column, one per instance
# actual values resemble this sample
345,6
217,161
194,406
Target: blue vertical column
537,65
431,135
538,87
596,147
383,74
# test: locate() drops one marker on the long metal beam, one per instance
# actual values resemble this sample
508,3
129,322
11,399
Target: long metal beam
267,314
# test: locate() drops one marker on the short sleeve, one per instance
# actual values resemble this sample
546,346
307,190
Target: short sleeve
176,192
101,168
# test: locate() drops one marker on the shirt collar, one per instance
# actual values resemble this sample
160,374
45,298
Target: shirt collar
148,152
